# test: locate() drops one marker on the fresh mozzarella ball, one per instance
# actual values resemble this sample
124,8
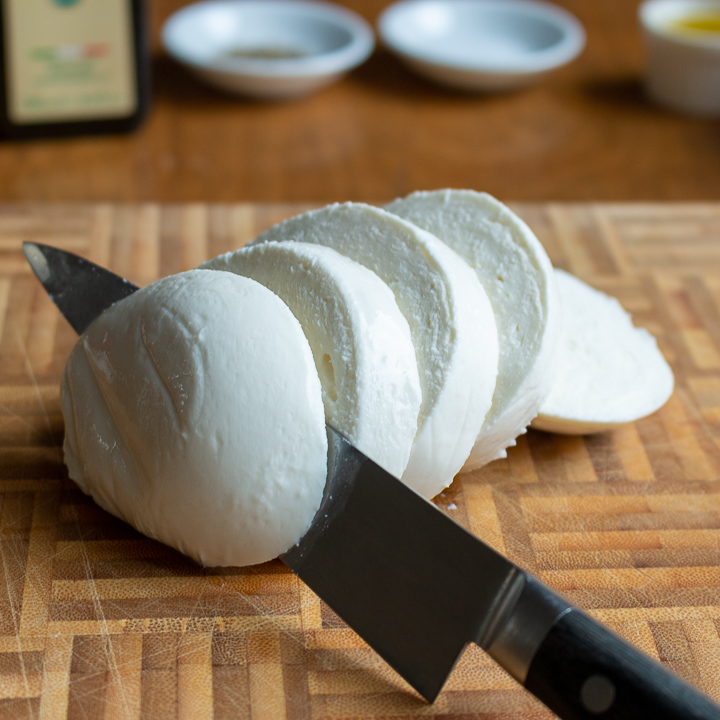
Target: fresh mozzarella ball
359,338
610,372
450,318
193,411
516,273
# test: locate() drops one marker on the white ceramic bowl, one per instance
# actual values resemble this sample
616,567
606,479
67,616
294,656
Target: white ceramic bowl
683,68
481,44
273,49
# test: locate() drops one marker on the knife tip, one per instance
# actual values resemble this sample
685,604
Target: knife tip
37,260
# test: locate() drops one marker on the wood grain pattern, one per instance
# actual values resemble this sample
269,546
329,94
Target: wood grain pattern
584,133
97,621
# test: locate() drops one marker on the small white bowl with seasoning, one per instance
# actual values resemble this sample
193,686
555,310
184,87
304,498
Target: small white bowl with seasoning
271,49
683,54
481,45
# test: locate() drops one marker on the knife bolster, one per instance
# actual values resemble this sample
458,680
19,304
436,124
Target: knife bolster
537,610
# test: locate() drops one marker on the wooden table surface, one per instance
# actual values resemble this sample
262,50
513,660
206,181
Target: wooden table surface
98,622
585,134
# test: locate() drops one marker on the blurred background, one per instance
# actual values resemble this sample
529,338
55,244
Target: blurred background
584,133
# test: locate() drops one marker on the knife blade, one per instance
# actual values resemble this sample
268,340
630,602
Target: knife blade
96,289
417,586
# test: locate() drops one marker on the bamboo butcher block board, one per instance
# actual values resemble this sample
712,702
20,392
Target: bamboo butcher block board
98,622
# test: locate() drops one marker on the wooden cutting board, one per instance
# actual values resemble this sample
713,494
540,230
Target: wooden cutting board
98,622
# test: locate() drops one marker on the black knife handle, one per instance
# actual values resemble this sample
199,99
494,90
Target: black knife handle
584,671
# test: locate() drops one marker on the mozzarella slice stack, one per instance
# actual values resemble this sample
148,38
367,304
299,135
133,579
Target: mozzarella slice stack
516,273
189,419
450,318
610,372
195,409
360,341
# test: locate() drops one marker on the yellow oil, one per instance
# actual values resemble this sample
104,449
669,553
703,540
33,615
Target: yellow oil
702,22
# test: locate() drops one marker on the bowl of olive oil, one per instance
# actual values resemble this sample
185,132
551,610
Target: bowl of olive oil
683,54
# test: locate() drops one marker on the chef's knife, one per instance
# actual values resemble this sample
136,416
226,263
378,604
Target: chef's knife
417,587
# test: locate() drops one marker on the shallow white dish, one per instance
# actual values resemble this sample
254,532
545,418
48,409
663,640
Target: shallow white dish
268,48
481,44
683,68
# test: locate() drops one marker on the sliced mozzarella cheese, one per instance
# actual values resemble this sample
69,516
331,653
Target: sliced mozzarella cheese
610,372
359,338
516,273
450,318
193,411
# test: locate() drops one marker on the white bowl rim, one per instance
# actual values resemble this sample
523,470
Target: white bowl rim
569,47
352,54
654,16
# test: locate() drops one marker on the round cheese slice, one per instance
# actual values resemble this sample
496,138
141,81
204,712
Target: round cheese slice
359,338
516,273
610,372
450,319
193,411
